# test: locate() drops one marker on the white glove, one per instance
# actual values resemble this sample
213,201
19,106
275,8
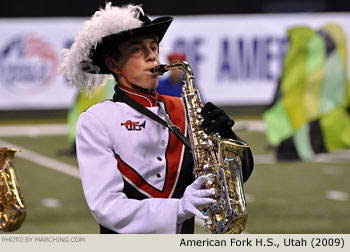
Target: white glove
194,197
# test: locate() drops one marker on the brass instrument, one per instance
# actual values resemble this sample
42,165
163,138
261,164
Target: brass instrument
12,206
217,158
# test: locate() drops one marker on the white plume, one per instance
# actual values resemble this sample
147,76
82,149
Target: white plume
105,22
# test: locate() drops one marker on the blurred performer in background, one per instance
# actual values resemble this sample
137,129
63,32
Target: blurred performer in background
136,174
82,102
172,85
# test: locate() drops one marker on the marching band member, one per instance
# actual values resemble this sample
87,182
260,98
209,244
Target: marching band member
136,174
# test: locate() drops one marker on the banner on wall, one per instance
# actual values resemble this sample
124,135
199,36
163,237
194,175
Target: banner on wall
237,59
29,57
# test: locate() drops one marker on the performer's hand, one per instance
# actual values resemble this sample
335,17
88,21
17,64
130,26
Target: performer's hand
192,199
217,121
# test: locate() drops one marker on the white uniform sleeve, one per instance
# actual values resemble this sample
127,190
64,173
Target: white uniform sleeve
103,185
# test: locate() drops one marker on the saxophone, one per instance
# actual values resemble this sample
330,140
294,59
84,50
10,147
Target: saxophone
217,158
12,206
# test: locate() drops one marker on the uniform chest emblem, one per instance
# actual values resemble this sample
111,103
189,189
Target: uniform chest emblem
132,126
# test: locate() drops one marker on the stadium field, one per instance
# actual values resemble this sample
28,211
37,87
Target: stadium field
283,197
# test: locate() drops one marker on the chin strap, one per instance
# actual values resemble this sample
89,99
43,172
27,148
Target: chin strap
122,75
143,90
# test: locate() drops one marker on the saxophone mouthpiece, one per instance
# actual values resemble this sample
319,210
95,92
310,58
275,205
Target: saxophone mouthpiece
159,70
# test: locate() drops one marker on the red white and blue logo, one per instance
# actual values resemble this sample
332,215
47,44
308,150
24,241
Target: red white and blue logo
27,63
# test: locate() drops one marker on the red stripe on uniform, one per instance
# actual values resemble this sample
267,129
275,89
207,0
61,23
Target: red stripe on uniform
175,109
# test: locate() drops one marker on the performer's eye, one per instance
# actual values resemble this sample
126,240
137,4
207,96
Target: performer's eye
154,48
136,49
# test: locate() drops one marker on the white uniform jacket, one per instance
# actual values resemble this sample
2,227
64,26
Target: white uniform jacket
131,166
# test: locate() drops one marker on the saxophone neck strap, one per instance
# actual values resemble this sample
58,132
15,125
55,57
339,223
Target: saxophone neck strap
122,97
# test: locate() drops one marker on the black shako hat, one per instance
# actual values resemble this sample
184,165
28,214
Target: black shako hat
157,28
84,63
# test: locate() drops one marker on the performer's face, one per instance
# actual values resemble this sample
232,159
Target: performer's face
137,57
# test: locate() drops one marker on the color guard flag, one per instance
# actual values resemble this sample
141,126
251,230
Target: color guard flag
311,110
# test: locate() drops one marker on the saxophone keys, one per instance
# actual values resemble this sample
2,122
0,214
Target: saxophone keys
198,117
207,169
202,146
205,146
210,179
191,95
203,136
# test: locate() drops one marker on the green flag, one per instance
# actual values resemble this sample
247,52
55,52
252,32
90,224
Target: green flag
312,114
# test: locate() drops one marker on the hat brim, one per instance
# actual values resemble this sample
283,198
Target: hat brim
158,28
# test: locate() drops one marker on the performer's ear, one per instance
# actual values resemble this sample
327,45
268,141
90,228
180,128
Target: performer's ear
112,65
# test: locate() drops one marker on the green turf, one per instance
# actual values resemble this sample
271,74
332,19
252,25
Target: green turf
288,197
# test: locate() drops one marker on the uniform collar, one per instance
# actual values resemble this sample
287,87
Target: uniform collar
146,100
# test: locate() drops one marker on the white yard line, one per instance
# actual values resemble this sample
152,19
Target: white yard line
264,159
33,130
341,156
250,125
43,160
335,157
337,195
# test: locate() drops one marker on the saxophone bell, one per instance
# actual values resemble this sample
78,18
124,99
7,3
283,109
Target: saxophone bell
12,206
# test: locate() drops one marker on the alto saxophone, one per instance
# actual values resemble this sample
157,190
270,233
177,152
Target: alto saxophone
217,158
12,206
